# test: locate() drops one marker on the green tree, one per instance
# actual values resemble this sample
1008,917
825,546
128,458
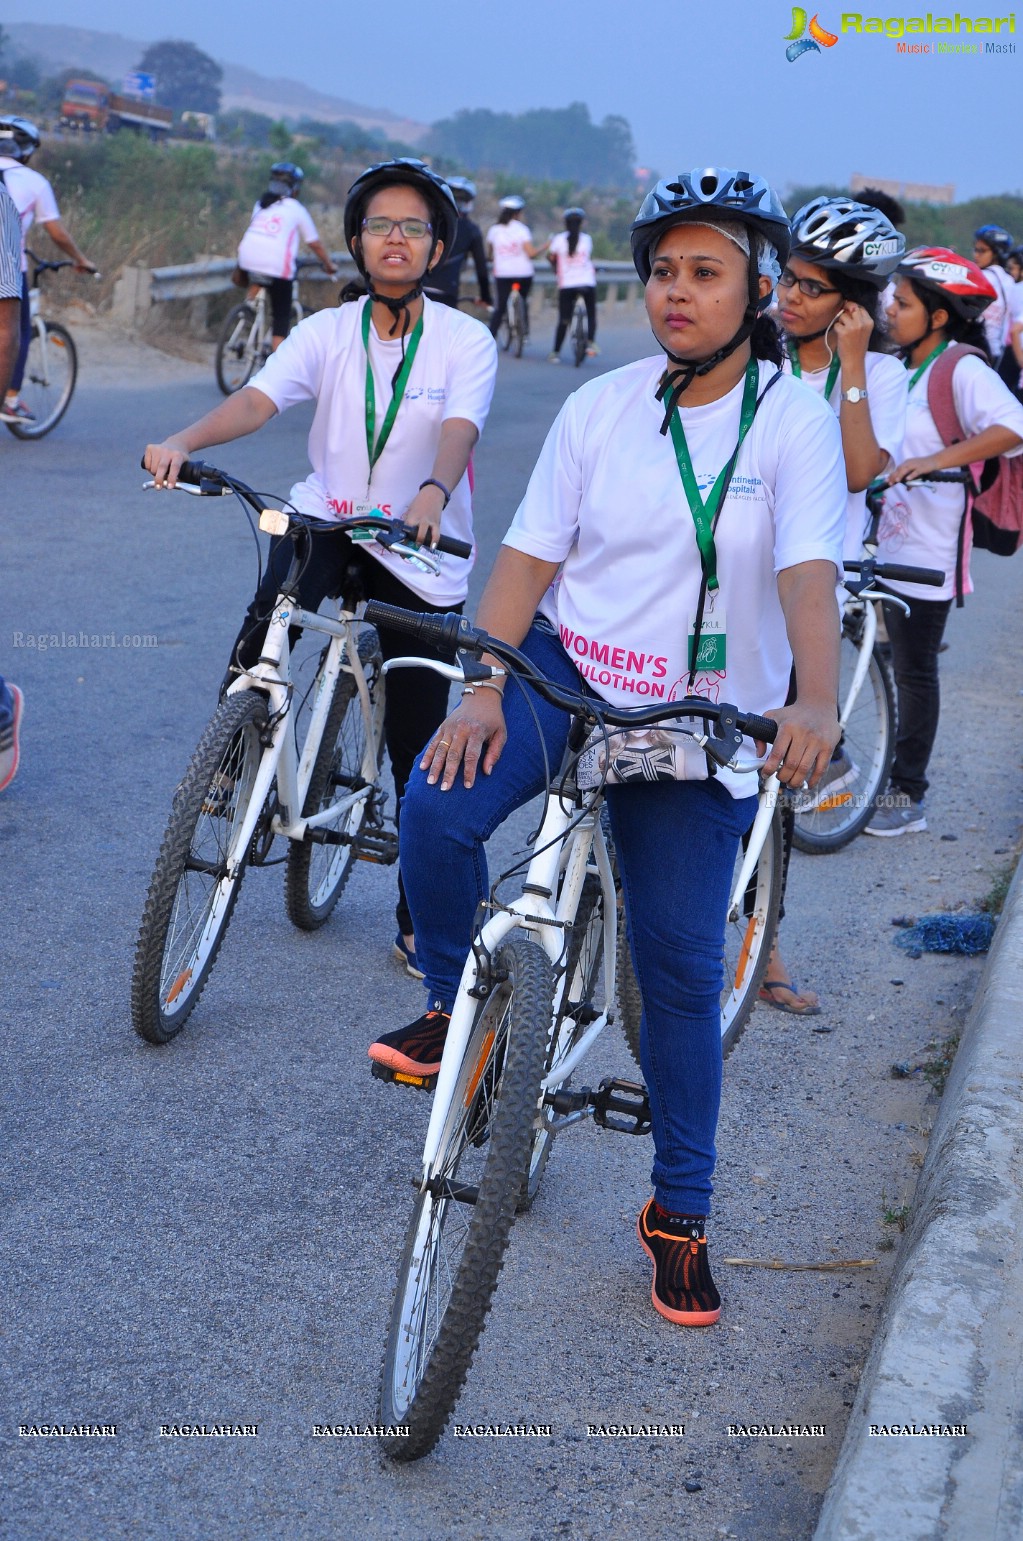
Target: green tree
187,80
556,144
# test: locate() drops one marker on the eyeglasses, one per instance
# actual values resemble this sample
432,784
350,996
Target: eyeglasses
808,286
411,229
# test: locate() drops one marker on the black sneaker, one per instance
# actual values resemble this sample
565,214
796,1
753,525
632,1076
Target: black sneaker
682,1290
414,1050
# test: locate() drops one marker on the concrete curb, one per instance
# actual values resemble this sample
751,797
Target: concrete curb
949,1350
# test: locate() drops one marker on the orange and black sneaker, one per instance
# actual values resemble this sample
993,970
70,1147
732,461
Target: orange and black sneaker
682,1289
414,1050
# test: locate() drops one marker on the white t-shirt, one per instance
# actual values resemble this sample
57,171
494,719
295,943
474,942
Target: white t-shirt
33,197
996,317
508,243
577,271
323,360
606,500
886,402
270,245
920,523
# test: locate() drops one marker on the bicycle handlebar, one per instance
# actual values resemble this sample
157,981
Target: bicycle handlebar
895,573
453,632
215,483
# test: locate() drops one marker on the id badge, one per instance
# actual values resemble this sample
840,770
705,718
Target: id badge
361,536
713,652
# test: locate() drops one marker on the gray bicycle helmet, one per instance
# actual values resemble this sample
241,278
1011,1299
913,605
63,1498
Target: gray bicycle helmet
463,189
513,202
704,196
710,193
19,138
575,213
847,237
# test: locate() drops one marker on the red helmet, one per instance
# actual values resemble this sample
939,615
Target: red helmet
957,281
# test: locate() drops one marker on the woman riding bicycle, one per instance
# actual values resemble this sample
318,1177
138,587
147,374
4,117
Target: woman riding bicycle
843,254
511,249
269,246
940,298
571,256
402,388
614,511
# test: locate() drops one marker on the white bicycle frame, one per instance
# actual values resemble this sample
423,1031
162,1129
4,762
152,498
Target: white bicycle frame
544,913
866,645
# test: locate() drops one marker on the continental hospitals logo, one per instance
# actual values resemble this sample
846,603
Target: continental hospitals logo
799,44
992,33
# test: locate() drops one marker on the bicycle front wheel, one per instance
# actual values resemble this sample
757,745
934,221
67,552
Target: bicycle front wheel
315,874
192,895
578,1008
746,949
460,1226
828,820
238,348
51,370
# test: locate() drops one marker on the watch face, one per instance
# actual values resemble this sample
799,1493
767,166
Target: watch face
854,394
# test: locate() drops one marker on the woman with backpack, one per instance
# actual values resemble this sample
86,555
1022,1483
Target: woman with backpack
959,413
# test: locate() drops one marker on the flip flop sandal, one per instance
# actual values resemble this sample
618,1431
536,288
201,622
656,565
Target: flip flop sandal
786,984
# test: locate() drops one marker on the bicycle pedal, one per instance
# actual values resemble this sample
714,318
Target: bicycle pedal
379,846
622,1105
424,1083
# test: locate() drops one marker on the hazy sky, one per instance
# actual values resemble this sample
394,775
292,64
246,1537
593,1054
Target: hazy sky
699,83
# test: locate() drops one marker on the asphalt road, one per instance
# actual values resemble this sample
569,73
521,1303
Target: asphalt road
206,1233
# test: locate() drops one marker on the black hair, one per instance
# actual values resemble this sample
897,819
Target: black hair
268,198
860,292
354,289
884,203
765,340
505,216
574,224
965,329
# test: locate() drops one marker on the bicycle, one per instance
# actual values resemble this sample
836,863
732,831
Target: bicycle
254,776
513,326
833,817
245,341
527,1012
51,368
578,331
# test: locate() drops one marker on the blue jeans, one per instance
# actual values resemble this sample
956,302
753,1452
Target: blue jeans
676,843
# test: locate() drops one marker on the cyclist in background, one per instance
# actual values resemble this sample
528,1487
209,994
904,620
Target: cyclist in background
510,243
843,254
992,247
447,275
269,246
402,388
571,256
614,511
34,199
940,298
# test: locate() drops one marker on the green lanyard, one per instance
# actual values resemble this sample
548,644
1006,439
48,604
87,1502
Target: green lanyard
833,368
375,449
914,377
705,513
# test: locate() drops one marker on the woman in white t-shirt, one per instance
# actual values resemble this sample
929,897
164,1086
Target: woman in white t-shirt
843,254
402,388
571,256
992,247
270,245
610,513
510,248
939,299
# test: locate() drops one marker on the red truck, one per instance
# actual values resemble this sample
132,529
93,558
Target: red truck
93,107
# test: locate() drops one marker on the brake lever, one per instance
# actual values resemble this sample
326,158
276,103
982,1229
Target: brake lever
416,555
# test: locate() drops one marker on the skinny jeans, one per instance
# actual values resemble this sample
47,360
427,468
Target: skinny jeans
676,843
915,640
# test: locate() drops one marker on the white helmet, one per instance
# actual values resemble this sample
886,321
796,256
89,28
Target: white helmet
513,202
848,237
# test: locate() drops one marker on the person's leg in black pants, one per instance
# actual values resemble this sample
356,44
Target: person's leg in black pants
915,640
566,304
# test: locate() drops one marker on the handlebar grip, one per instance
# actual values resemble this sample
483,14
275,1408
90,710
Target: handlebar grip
962,476
897,574
765,729
193,472
443,631
445,543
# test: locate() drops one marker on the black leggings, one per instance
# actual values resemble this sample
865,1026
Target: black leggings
417,699
566,305
504,288
280,293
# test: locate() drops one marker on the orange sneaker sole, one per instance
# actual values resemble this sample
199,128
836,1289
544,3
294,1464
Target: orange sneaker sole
681,1318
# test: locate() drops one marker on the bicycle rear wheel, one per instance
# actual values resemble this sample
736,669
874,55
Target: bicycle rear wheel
315,874
51,370
827,821
579,332
459,1229
238,348
749,936
577,1009
191,897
